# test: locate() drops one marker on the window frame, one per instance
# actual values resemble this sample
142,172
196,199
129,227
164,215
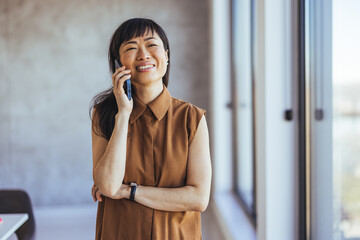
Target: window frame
315,176
250,212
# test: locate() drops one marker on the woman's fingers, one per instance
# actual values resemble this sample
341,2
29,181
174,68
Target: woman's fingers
119,83
119,77
96,193
115,74
98,196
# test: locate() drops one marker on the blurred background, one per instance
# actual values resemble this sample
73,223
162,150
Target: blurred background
53,60
279,80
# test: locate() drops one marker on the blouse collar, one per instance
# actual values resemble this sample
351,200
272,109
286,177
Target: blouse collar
159,106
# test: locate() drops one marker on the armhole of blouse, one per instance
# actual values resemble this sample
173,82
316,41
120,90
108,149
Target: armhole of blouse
194,121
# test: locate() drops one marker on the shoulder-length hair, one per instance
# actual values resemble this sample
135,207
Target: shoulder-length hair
105,102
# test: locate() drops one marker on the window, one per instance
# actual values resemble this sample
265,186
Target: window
333,119
346,118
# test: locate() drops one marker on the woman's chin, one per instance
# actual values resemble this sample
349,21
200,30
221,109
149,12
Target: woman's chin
145,81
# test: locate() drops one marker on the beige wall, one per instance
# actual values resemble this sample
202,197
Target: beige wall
53,60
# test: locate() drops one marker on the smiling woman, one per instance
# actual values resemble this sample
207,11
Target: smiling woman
151,156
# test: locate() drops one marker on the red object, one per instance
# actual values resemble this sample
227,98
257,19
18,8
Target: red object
1,220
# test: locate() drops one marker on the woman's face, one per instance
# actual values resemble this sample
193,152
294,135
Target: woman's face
146,57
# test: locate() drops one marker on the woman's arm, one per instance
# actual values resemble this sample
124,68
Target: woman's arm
192,197
109,157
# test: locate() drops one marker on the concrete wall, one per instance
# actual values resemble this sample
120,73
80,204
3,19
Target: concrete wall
53,60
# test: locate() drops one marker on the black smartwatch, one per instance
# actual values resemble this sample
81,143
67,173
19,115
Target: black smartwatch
133,190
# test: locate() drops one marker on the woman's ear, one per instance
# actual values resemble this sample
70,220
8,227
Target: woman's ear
167,55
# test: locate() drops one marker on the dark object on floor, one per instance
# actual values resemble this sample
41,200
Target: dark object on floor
18,201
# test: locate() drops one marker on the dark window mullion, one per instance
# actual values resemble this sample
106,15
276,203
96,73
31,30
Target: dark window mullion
302,122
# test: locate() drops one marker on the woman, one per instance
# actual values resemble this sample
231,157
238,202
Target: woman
156,143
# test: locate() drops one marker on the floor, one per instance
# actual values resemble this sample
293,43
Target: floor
66,222
78,223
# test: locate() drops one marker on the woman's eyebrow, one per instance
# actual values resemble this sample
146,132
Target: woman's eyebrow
149,38
146,39
130,42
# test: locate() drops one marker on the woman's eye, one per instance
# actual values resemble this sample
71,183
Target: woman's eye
152,45
130,49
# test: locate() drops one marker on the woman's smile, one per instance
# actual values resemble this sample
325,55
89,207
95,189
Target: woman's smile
145,67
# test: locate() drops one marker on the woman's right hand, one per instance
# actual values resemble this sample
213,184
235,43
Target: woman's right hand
118,78
96,193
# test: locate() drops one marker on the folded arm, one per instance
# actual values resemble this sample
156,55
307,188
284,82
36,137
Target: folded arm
194,196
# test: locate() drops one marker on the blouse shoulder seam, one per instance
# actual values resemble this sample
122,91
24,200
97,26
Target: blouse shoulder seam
181,102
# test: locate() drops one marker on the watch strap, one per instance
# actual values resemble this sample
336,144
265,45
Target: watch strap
132,192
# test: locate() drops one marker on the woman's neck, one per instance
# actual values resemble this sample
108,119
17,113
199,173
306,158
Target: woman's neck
147,93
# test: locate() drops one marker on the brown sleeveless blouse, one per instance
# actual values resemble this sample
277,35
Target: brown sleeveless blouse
159,137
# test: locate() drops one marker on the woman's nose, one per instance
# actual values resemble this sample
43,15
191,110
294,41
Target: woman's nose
142,55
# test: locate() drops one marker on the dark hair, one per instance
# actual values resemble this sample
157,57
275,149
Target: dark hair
105,102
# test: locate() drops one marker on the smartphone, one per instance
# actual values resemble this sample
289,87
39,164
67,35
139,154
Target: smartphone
127,83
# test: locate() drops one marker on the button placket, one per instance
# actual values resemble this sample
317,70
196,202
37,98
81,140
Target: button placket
148,148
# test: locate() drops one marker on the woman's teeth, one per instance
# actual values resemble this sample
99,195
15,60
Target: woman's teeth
145,67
